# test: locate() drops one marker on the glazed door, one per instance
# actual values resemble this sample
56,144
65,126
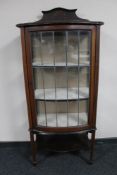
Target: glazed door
62,68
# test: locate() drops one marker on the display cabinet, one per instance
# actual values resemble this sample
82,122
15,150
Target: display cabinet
61,62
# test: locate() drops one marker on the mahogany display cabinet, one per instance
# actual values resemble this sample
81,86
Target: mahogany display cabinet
61,63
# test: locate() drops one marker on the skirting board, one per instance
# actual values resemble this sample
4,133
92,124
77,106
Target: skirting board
5,144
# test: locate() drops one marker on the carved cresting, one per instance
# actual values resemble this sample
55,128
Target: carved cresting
60,16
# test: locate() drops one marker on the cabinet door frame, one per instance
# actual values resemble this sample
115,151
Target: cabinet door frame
28,73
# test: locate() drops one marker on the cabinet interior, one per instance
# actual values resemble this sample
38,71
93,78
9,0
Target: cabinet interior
61,70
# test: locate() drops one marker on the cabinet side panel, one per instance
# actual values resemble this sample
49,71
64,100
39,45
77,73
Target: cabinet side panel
30,78
92,79
96,72
24,57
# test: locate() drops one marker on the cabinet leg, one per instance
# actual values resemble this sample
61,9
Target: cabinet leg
92,146
34,147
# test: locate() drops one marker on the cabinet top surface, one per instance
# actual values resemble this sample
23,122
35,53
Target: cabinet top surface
60,16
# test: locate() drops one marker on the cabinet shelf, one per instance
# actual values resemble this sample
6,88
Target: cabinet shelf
62,94
37,64
62,119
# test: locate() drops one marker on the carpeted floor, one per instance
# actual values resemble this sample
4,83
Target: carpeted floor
16,161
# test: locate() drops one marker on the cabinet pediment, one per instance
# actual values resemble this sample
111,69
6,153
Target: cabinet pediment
60,16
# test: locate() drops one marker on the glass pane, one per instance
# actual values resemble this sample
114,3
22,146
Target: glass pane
36,48
46,112
41,113
73,116
49,83
42,48
38,78
62,117
51,114
72,48
84,47
47,48
61,83
83,112
44,83
72,83
60,48
38,83
84,82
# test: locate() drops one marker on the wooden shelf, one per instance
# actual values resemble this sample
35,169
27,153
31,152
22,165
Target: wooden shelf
62,94
62,119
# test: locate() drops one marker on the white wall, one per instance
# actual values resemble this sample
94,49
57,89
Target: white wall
13,111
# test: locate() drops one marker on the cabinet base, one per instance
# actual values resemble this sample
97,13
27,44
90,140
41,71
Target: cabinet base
63,143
